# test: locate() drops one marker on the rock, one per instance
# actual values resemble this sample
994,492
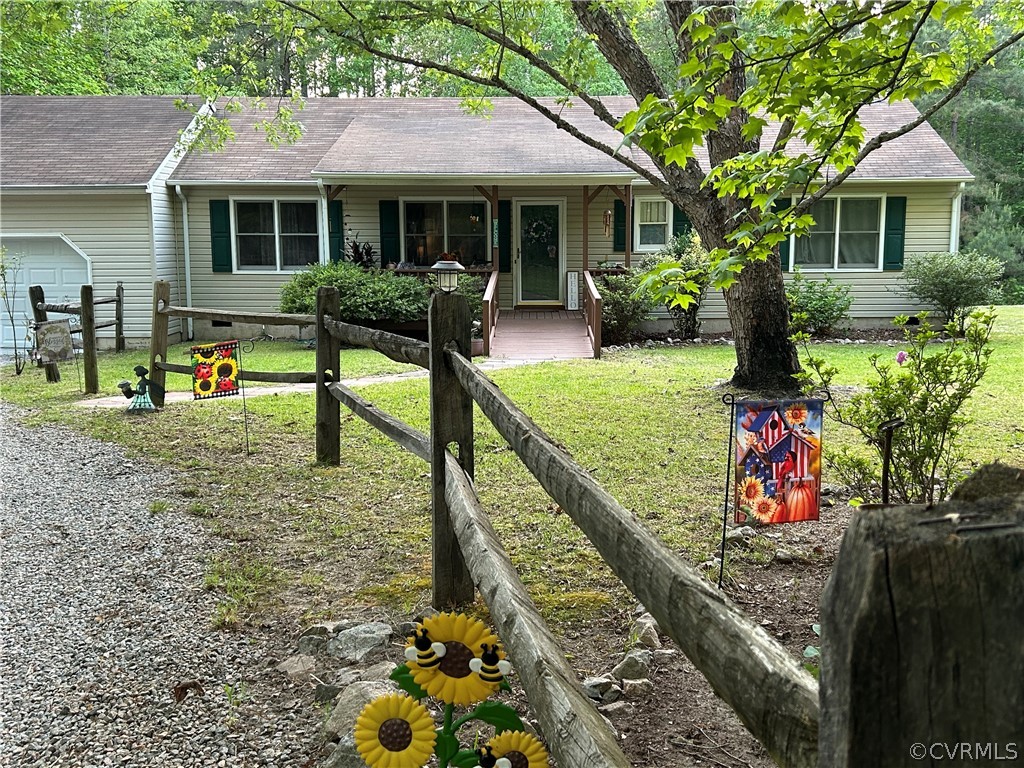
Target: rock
664,654
646,629
639,687
312,644
614,708
784,556
342,721
357,643
597,688
405,629
381,671
635,665
347,676
739,535
325,693
297,666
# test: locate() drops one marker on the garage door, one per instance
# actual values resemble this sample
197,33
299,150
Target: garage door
49,261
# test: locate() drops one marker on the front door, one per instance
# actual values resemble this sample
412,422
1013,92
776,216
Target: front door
540,252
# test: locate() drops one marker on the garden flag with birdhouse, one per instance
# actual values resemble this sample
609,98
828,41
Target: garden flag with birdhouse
215,370
778,460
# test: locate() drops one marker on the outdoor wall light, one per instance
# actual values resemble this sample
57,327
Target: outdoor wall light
447,274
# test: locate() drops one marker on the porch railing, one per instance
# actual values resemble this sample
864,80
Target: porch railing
490,312
592,311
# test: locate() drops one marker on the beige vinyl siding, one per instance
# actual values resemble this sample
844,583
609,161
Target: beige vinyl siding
238,291
165,251
928,225
877,295
114,230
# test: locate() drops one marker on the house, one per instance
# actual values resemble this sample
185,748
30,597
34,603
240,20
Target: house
509,193
84,199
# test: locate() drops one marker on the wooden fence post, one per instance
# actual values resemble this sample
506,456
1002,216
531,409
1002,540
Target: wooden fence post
119,345
922,623
89,342
328,369
35,298
158,341
451,421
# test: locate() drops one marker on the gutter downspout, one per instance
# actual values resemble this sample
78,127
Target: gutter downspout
954,223
325,241
187,254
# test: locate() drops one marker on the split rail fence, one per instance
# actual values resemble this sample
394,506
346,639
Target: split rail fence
776,699
85,309
911,658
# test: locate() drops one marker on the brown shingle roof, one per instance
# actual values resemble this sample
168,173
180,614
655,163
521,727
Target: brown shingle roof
121,140
86,140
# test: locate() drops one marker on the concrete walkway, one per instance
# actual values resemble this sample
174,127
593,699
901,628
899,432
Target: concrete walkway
119,401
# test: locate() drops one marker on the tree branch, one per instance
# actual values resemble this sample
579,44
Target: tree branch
494,82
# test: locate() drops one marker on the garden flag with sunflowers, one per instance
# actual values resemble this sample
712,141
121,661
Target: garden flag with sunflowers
778,460
215,370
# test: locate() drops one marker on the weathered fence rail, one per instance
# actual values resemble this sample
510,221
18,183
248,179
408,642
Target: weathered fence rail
773,695
85,308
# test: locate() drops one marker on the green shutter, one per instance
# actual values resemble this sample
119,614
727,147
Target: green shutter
895,233
619,228
780,205
335,230
680,223
390,242
504,235
220,235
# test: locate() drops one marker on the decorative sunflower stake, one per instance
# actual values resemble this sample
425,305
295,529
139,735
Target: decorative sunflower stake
459,661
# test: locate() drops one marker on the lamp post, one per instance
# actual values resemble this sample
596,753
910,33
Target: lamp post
447,274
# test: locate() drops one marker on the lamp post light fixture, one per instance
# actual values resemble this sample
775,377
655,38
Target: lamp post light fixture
447,274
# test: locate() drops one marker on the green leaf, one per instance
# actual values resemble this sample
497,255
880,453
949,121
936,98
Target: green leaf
465,758
403,677
447,747
501,716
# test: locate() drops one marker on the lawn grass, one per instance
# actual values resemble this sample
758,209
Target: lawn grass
649,424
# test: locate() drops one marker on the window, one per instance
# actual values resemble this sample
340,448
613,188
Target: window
652,228
438,226
847,234
276,235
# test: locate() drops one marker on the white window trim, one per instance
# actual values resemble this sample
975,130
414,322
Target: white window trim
321,225
444,200
669,223
882,198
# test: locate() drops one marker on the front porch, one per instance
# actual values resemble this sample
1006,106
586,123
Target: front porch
540,334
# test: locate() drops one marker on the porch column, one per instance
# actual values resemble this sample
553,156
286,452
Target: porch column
492,198
586,227
629,223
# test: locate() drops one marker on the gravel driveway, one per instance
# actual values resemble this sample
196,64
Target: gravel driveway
103,612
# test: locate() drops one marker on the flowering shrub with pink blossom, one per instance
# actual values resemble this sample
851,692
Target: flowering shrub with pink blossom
927,390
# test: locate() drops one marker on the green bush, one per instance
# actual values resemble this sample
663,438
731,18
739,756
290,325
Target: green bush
623,307
365,296
1013,292
927,391
678,277
816,306
953,283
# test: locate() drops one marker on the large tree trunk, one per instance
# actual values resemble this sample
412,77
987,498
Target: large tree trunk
759,316
766,359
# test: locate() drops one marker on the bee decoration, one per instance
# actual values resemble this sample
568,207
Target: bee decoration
424,652
490,667
486,759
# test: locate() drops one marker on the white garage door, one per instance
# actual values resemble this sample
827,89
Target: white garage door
49,261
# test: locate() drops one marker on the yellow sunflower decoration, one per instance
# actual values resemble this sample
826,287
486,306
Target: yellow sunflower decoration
751,491
395,731
442,666
764,509
518,750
